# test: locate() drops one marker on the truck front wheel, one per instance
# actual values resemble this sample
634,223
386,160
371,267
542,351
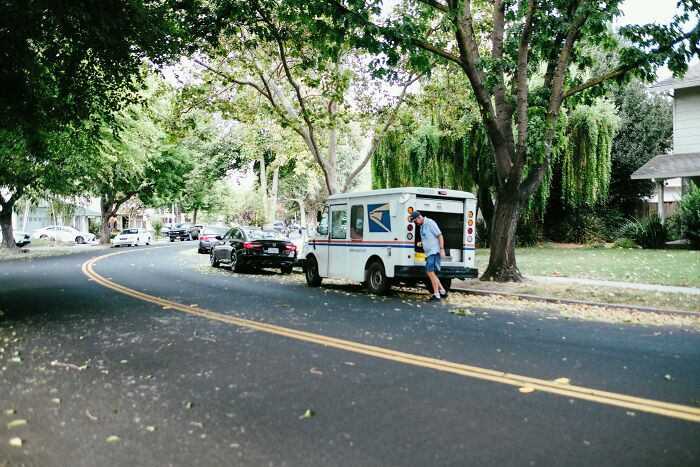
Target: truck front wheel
377,282
313,278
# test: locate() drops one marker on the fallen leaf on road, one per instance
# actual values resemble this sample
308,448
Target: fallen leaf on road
526,389
151,428
562,380
10,412
188,405
668,377
16,423
113,439
16,442
90,416
314,371
308,414
56,400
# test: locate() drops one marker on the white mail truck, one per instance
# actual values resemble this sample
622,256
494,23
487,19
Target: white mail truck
368,237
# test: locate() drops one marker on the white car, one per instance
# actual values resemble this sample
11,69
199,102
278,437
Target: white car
133,237
21,238
63,233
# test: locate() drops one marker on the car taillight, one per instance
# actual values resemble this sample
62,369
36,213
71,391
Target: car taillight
252,245
204,239
290,247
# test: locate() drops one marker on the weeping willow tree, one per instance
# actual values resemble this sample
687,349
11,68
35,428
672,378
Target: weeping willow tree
423,154
586,161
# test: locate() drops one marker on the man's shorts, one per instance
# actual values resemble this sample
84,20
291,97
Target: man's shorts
432,263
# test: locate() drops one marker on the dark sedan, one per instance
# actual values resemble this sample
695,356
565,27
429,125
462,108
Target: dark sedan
181,231
254,247
207,237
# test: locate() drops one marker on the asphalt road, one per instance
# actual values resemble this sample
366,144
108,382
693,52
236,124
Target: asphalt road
105,377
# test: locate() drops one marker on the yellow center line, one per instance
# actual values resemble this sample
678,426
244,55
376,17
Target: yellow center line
667,409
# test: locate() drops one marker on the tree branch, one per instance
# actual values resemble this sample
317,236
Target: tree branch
522,90
436,5
379,135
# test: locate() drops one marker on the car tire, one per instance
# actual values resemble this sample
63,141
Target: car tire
189,237
287,269
79,239
377,282
313,278
235,263
212,260
148,242
43,237
172,239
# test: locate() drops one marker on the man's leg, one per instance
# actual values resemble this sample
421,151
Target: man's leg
435,282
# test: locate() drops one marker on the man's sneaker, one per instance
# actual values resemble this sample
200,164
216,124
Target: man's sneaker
443,294
433,298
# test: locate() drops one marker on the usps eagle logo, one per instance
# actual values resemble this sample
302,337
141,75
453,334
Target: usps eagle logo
379,219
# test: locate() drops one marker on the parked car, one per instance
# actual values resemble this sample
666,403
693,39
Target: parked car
254,247
165,230
195,229
133,237
207,237
21,238
181,231
63,233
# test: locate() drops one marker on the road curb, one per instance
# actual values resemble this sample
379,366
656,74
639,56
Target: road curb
538,298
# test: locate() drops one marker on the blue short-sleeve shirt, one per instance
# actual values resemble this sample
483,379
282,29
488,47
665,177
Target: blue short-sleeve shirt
429,233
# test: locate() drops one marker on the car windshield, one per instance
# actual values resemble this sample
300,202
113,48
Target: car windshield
265,235
181,226
130,231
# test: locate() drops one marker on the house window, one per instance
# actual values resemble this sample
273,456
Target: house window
357,222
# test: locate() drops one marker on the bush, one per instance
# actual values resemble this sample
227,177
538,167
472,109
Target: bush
597,245
673,227
95,227
157,225
583,227
689,216
528,233
647,233
624,242
483,236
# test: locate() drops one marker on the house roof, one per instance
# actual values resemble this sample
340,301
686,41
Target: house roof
689,80
670,166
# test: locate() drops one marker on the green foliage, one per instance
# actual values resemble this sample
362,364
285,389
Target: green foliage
624,242
529,232
673,227
689,216
157,225
586,160
646,130
583,226
647,233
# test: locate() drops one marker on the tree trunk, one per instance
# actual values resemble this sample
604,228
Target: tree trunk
274,189
194,216
502,266
106,212
263,188
486,205
8,241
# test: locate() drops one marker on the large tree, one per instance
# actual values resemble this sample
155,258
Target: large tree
64,63
502,46
315,90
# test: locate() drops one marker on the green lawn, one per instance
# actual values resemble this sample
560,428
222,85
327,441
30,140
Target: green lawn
668,267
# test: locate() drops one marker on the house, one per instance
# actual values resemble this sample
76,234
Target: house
672,172
31,216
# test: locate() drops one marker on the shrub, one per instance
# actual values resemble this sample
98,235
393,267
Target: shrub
528,233
583,227
673,226
95,227
597,245
483,236
624,242
157,225
647,233
689,216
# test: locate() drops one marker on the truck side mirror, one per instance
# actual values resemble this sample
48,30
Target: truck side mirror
318,216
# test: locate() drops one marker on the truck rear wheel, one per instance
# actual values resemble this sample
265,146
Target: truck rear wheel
313,278
377,282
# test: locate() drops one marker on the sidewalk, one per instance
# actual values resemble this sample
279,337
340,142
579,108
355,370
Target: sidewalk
596,292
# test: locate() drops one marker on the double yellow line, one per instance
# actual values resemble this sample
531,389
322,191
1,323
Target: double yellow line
638,404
